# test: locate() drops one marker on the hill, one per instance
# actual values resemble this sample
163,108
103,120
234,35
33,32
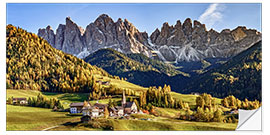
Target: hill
137,68
32,63
168,69
240,76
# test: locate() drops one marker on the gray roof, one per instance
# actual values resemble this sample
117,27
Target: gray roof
129,104
118,107
100,106
19,98
79,104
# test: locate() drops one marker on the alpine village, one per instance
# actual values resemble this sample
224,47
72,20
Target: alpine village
111,76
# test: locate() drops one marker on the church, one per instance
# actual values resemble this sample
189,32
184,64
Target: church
129,107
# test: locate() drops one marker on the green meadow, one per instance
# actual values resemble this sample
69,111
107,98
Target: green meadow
33,118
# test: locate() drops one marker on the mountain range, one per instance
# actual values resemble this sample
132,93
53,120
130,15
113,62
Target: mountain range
187,56
181,42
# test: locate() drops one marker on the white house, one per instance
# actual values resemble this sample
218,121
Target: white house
95,112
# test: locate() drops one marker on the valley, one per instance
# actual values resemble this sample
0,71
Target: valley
111,76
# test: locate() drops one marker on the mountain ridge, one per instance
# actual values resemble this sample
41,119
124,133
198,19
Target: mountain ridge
136,68
181,42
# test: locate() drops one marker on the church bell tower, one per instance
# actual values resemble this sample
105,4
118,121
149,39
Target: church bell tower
123,99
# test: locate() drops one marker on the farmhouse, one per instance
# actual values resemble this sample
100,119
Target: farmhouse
77,107
106,83
21,101
116,111
103,83
195,93
86,110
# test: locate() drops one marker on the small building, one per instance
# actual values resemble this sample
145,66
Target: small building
116,111
95,112
101,107
120,110
76,107
86,110
106,83
234,111
99,82
130,108
195,93
21,101
112,111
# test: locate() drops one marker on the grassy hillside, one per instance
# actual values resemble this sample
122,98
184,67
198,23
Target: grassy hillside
240,76
32,63
168,69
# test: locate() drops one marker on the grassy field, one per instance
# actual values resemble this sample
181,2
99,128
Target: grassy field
66,98
156,124
189,98
169,124
32,118
121,83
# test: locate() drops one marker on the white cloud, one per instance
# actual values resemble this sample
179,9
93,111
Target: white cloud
212,15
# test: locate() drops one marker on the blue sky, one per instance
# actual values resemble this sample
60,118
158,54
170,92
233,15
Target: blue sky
146,17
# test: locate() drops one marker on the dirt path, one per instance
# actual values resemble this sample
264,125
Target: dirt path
50,128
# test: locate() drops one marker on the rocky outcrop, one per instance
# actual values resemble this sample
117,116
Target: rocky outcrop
47,34
192,42
73,42
102,33
59,37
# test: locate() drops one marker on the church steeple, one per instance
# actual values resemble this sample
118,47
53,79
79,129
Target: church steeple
123,99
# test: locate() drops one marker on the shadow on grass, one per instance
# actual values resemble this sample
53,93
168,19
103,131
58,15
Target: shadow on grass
74,115
72,124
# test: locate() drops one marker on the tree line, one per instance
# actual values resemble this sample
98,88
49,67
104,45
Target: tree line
40,101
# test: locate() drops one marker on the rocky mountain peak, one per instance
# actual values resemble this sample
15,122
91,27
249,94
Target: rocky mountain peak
102,33
178,24
187,28
198,25
47,34
187,43
154,35
69,21
225,31
48,28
